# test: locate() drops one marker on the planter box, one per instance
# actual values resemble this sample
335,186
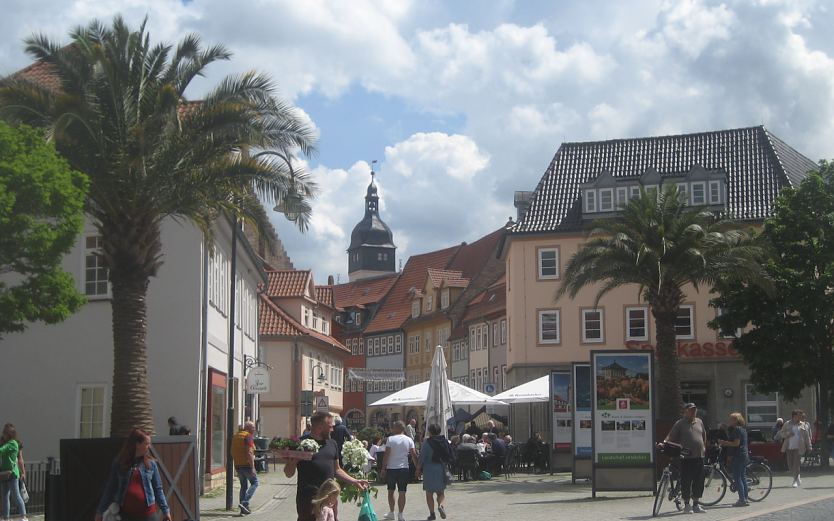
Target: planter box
297,454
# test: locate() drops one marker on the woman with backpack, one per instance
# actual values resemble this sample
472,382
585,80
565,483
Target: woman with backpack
434,454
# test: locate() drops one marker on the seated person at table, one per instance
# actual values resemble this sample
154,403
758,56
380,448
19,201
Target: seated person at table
473,430
467,443
494,460
534,453
508,440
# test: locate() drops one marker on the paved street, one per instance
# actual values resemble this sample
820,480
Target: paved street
531,498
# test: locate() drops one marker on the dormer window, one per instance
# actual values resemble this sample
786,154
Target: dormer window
699,196
429,303
683,191
622,196
415,308
590,201
606,200
635,191
358,319
444,299
715,192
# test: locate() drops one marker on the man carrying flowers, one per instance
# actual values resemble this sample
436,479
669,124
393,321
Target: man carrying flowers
324,465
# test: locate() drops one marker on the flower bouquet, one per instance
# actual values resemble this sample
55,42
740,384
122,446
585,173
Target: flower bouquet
292,447
355,459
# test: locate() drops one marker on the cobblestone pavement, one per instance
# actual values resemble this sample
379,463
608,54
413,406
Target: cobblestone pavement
542,497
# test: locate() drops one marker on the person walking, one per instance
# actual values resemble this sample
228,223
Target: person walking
691,434
395,467
134,483
327,500
410,429
323,466
243,455
434,454
9,454
173,426
340,435
795,443
736,444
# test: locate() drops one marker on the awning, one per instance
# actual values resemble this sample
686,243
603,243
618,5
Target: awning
365,374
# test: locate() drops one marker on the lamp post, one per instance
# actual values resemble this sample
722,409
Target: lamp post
321,378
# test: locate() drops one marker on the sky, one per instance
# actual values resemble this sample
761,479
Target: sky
461,103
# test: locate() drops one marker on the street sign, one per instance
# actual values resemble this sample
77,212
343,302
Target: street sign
306,403
489,389
322,404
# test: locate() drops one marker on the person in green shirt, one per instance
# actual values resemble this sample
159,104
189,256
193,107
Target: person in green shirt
9,451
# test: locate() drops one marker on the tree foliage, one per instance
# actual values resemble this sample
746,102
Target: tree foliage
662,246
41,201
121,116
788,348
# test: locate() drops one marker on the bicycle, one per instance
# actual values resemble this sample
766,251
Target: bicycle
669,487
717,475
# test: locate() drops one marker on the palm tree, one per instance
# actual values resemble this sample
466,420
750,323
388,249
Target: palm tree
120,116
660,244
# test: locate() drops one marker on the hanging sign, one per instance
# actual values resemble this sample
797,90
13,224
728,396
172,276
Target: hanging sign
257,381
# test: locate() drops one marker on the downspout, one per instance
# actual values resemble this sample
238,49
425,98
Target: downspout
259,359
296,389
203,391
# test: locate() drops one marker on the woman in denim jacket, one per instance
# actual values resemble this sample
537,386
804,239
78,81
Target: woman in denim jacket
134,483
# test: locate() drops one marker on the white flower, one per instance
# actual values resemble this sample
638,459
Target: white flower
354,454
309,445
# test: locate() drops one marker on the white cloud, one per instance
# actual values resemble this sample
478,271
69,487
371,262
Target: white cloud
435,153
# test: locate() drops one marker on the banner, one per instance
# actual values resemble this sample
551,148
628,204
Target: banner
622,422
559,401
582,421
375,375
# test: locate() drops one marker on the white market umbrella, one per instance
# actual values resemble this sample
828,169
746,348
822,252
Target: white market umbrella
418,394
537,390
439,401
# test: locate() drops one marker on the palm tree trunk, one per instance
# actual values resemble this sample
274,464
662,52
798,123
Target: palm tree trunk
131,402
669,383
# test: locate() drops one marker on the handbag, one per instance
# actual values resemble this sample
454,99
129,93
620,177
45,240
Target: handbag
24,494
447,475
366,512
5,475
112,513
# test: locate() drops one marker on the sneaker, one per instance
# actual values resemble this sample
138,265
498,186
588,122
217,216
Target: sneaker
431,517
442,510
795,484
741,503
799,481
687,509
400,517
244,509
389,515
698,509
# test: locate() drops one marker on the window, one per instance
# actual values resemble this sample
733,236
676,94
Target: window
472,378
622,196
683,324
485,335
360,387
635,191
504,377
428,341
354,346
398,343
473,341
416,344
495,334
358,318
428,377
548,263
727,334
446,337
455,351
682,191
411,345
444,300
384,345
429,303
636,324
714,192
415,308
699,195
549,327
761,408
440,337
95,274
606,200
361,346
315,320
91,411
479,379
306,317
590,201
503,332
592,328
650,188
495,375
324,324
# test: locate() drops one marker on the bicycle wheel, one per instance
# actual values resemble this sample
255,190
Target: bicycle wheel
715,486
662,492
759,480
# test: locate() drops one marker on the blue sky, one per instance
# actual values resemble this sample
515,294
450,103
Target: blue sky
463,102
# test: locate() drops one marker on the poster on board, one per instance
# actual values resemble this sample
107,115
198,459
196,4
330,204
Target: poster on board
582,421
559,401
622,420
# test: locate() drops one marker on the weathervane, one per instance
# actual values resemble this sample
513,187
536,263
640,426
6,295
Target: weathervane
372,170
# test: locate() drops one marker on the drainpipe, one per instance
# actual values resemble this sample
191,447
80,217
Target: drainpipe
230,395
203,390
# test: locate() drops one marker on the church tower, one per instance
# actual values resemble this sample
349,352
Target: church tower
372,250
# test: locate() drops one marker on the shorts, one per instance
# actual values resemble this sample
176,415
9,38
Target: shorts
397,479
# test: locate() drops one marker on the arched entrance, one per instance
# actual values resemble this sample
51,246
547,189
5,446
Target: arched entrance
355,419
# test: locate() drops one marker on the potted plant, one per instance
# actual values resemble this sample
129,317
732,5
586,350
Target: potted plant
293,447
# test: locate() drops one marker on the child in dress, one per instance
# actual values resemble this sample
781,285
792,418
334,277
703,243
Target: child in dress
326,500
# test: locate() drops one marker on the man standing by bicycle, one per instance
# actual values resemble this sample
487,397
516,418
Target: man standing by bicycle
691,434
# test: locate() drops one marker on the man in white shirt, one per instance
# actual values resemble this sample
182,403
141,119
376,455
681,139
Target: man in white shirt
395,467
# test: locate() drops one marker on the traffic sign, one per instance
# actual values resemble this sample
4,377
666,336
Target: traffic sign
306,403
489,389
322,404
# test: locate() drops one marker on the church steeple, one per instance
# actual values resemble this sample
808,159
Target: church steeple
372,250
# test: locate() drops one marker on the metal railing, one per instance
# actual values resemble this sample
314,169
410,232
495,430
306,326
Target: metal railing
37,476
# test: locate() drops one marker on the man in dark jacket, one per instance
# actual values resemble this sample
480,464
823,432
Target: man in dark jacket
340,435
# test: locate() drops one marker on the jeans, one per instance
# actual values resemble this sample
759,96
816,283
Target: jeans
740,477
248,484
692,478
12,487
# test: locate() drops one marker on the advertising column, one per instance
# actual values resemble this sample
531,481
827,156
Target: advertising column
623,448
582,423
560,406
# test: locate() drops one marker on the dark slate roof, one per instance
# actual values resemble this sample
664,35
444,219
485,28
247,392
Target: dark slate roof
757,163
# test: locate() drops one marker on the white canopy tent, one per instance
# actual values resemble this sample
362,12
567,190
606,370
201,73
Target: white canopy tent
537,390
439,401
418,394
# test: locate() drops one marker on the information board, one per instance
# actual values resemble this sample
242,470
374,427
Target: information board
560,405
582,422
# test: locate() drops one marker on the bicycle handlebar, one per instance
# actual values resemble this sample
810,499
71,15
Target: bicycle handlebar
683,451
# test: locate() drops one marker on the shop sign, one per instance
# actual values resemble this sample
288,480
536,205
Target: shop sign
692,349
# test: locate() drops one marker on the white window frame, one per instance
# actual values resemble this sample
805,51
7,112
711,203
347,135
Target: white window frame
494,334
89,253
555,313
428,341
105,410
429,303
586,330
606,200
415,309
444,299
590,201
503,332
361,346
714,192
398,343
628,334
649,188
691,335
622,196
696,200
542,267
634,191
748,404
683,188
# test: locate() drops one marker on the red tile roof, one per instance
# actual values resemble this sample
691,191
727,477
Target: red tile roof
42,73
362,292
288,283
491,301
277,322
453,279
470,259
397,307
324,294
